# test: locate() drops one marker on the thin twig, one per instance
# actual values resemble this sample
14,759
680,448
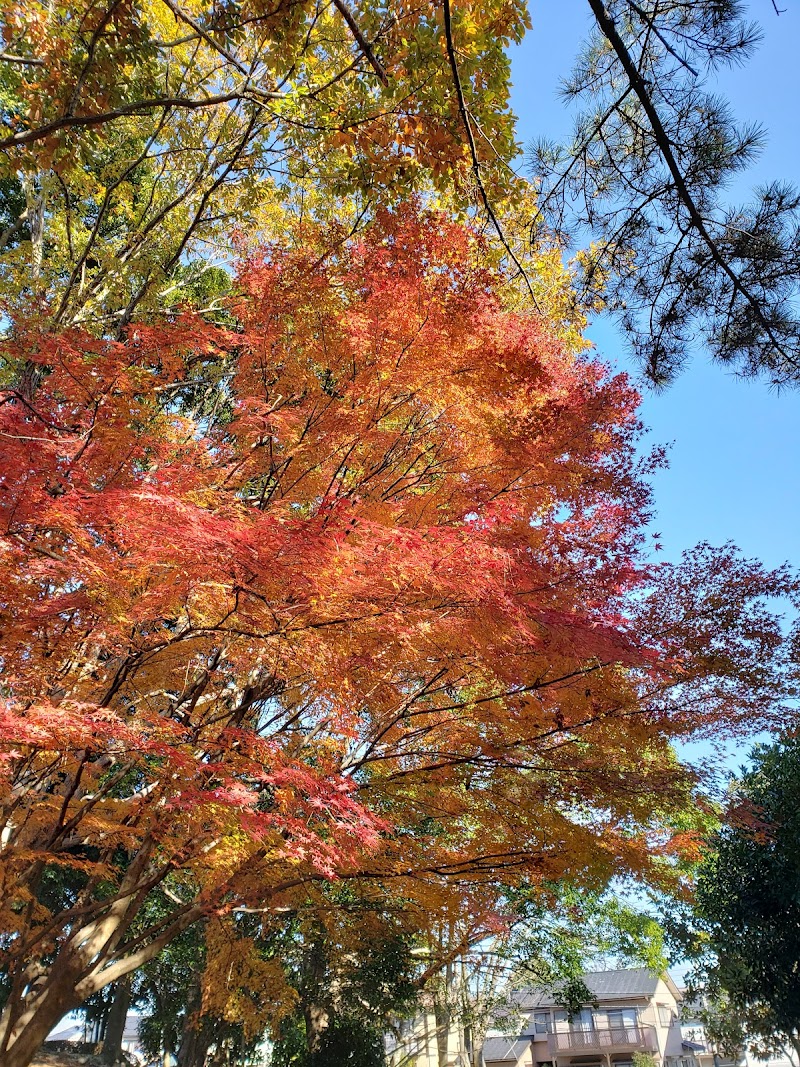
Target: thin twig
650,23
184,16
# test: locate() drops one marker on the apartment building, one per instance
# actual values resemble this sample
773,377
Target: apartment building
632,1010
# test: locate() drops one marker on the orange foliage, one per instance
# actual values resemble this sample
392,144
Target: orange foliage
381,615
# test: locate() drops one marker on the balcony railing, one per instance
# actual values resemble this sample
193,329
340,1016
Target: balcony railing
613,1039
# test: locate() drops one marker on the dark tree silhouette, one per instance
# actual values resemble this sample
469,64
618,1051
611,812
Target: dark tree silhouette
644,174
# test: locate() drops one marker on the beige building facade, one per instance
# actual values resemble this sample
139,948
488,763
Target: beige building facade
632,1011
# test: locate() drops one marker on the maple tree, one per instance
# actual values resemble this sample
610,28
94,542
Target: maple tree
351,590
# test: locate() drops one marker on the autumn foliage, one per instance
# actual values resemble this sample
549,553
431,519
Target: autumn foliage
134,134
351,590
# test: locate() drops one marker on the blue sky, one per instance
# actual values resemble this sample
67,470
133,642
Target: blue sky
735,444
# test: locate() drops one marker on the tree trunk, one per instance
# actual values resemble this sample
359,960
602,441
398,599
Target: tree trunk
34,201
315,1015
23,1036
41,1001
469,1054
195,1039
29,1016
115,1024
91,959
193,1050
316,1019
444,1021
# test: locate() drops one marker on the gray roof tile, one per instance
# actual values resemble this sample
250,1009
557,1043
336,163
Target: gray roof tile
504,1049
631,982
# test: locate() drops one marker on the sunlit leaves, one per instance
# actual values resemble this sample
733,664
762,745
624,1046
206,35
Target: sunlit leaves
379,615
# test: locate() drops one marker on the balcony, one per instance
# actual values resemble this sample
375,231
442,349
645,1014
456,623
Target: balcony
615,1039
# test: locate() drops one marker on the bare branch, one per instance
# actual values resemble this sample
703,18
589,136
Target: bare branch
139,107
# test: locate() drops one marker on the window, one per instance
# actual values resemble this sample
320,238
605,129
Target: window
621,1018
560,1022
583,1021
664,1015
541,1022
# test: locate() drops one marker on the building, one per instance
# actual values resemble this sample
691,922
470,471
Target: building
632,1011
71,1033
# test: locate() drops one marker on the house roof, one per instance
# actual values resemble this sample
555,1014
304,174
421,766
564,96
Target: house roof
634,982
77,1031
504,1049
67,1033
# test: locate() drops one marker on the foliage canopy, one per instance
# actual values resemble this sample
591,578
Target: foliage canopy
351,591
748,904
644,176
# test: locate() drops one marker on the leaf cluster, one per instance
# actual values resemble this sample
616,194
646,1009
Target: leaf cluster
140,137
350,591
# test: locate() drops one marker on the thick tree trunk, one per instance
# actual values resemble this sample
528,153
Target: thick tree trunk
315,1015
24,1036
27,1019
41,997
115,1024
193,1051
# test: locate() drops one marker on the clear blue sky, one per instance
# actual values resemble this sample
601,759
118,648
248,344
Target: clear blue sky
736,444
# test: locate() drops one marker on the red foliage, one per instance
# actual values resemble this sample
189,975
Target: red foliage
370,604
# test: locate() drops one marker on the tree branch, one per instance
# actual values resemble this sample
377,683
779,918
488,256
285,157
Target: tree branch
609,30
140,107
363,43
476,167
223,51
